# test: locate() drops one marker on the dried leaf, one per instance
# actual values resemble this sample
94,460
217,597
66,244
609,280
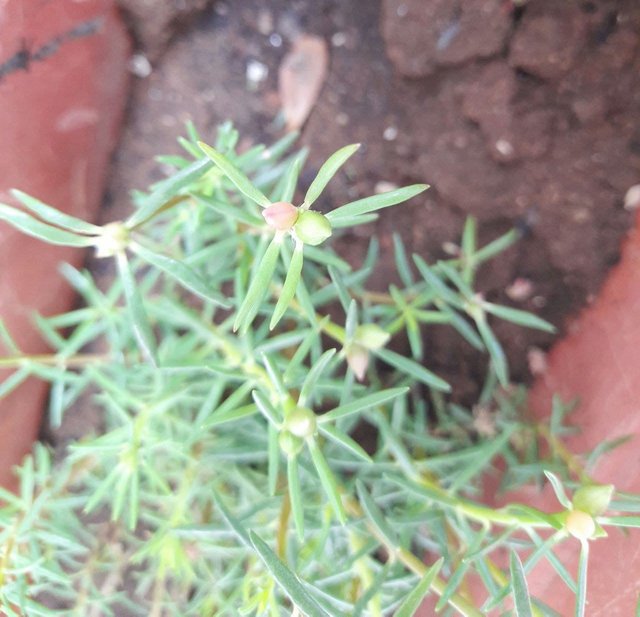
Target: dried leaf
301,75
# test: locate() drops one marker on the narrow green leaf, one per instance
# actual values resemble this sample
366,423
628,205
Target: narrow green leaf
231,415
496,353
436,283
295,495
259,285
13,381
232,521
516,316
241,182
313,376
376,202
413,369
328,480
290,285
166,190
33,227
182,273
139,320
452,585
291,177
230,211
375,515
352,221
581,595
497,246
327,171
342,439
366,402
402,263
519,588
54,216
558,489
267,409
273,459
412,602
286,579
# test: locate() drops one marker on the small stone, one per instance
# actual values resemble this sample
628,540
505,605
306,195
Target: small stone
537,361
338,39
265,22
504,147
275,40
140,66
256,73
390,133
520,290
632,198
384,187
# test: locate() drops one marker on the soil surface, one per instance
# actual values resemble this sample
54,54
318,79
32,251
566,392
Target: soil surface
521,115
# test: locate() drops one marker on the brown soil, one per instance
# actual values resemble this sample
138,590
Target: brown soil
519,115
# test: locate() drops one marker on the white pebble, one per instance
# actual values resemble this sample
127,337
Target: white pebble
140,66
257,72
390,133
632,198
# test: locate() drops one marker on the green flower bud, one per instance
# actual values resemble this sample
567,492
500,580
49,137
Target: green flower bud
113,239
301,422
289,443
312,227
593,499
371,336
580,524
281,215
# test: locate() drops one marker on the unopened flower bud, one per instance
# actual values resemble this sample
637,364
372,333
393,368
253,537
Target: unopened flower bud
289,443
371,336
358,360
580,524
113,239
593,499
281,215
312,227
301,422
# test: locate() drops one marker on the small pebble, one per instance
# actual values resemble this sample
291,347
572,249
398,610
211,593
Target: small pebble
402,10
390,133
338,39
384,187
504,147
537,360
632,198
140,66
265,22
275,40
451,248
520,289
256,73
342,119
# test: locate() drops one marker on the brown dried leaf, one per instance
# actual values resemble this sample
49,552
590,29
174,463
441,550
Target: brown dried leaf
301,75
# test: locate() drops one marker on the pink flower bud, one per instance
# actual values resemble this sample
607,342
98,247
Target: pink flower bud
281,215
358,360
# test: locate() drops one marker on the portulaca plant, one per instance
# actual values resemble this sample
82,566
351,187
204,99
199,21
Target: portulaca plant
270,444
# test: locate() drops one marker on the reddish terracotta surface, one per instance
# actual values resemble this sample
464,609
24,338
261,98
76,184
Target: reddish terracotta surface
63,82
599,363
